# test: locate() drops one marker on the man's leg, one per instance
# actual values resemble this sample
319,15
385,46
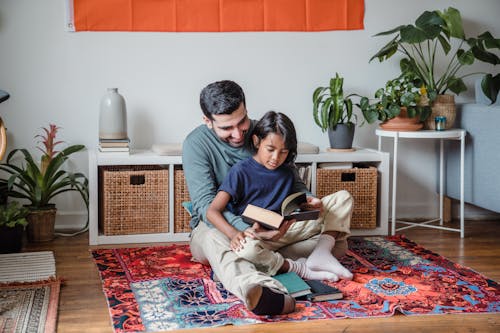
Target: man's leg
261,294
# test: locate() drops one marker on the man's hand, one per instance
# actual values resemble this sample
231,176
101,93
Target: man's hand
259,232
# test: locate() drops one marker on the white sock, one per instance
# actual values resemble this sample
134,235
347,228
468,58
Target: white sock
300,267
322,259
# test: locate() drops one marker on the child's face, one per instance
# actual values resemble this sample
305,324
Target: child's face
271,151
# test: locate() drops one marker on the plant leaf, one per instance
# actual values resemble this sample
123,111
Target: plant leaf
485,56
387,51
491,86
453,20
412,35
465,57
456,85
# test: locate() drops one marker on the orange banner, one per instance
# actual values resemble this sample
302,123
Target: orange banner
217,15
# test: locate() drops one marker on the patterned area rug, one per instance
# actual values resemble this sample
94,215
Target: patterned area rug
29,306
29,292
159,288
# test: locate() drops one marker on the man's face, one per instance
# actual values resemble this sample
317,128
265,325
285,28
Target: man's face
230,128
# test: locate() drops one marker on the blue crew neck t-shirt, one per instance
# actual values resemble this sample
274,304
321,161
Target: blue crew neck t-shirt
249,182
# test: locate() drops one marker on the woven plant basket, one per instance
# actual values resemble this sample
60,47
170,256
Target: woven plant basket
41,225
181,216
444,106
361,183
133,199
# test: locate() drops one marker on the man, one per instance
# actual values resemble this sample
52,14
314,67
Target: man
209,151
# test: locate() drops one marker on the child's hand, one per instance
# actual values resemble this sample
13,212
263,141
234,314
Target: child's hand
237,241
312,204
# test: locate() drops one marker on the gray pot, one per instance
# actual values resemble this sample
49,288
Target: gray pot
342,136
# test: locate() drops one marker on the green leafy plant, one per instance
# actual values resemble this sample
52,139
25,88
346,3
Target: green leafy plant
397,93
331,107
440,34
13,215
40,183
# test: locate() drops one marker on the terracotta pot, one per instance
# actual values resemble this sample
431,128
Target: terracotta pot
402,123
41,224
443,106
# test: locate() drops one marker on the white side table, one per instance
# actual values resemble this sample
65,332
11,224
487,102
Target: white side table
451,134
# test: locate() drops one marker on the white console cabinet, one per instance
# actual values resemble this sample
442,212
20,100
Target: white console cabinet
141,157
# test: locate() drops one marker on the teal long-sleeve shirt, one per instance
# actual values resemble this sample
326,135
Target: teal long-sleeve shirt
206,160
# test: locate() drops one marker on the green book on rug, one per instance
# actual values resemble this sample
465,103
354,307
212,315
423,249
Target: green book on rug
294,284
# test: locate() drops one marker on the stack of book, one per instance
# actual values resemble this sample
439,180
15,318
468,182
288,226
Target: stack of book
310,290
114,145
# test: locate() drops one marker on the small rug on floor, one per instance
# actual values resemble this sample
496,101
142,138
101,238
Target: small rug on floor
160,288
29,292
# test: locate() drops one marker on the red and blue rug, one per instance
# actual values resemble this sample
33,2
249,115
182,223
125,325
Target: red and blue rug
160,288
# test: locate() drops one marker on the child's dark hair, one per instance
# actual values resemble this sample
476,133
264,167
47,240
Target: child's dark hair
279,123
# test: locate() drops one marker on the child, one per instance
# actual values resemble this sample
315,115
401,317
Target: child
265,180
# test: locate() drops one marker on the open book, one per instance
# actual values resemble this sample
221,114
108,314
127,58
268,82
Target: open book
293,207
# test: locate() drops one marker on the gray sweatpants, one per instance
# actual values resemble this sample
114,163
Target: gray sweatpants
238,273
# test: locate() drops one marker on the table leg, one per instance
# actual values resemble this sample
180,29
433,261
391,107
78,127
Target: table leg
394,182
462,190
441,173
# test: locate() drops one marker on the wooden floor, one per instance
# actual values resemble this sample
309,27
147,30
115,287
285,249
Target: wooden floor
82,306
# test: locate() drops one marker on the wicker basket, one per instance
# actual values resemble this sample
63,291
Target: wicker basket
444,105
361,183
181,194
133,199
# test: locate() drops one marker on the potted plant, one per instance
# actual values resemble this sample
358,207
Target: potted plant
436,51
332,112
39,183
398,105
12,224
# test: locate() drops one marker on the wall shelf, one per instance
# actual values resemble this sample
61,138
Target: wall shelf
143,157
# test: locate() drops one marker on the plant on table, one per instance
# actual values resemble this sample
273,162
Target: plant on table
438,38
401,92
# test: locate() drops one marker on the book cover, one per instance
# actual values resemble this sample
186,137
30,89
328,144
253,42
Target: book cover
113,144
293,207
127,140
295,285
322,292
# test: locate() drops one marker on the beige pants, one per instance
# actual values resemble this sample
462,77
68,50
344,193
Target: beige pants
259,260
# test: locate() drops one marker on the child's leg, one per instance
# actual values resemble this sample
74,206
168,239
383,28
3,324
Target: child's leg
300,267
337,218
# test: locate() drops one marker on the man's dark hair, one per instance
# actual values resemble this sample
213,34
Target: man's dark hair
221,97
279,123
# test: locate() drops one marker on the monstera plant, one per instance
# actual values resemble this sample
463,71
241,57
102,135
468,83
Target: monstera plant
437,51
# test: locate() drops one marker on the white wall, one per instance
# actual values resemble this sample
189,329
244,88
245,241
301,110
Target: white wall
59,77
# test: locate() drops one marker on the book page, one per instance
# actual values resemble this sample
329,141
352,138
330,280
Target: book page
292,203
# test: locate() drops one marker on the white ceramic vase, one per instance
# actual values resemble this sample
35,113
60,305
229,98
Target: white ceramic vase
113,116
